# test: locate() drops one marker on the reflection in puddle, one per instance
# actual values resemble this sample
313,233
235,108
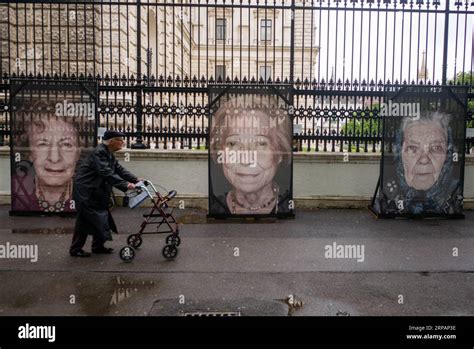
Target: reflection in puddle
111,295
125,289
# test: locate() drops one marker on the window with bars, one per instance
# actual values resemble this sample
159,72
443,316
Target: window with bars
220,72
265,29
220,28
265,72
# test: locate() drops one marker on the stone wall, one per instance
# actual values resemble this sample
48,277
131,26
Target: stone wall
320,180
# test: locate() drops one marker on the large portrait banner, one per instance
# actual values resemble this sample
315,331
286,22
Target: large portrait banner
250,151
53,127
422,164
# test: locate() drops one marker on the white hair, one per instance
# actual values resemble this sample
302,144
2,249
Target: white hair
428,116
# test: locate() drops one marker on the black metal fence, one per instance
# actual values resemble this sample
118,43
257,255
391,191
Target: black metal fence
153,60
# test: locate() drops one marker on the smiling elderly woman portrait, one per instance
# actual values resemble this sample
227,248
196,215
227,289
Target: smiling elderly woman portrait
251,148
50,148
426,166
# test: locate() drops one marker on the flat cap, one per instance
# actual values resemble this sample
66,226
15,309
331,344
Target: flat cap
112,134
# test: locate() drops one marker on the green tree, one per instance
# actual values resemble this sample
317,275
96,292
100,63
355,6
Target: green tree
366,123
466,78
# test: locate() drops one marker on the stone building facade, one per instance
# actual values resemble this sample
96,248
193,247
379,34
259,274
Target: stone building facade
176,40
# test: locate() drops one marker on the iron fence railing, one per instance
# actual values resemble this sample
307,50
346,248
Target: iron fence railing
153,60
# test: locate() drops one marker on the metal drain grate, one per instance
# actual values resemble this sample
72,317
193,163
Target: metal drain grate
218,308
212,313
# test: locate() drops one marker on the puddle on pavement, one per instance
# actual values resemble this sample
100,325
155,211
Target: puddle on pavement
90,294
127,289
110,297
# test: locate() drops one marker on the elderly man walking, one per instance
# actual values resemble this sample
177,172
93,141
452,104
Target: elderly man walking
93,184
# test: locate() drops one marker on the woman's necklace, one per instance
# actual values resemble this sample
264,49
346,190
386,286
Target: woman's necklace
256,208
58,205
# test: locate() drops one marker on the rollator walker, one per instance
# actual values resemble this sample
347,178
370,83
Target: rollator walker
160,215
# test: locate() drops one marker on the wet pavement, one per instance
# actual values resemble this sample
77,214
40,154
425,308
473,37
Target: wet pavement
408,267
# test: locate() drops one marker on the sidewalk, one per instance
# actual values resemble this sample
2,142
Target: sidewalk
222,262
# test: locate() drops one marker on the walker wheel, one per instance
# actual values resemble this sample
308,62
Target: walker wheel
173,240
169,251
127,253
134,240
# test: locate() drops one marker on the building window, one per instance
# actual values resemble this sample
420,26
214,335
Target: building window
220,28
265,29
265,72
220,72
151,57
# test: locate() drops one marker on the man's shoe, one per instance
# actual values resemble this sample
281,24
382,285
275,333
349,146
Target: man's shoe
103,250
80,253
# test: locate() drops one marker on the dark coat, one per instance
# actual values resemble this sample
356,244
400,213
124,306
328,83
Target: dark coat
93,183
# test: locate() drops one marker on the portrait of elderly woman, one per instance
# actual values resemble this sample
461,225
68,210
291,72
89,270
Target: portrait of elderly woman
47,148
426,166
251,153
